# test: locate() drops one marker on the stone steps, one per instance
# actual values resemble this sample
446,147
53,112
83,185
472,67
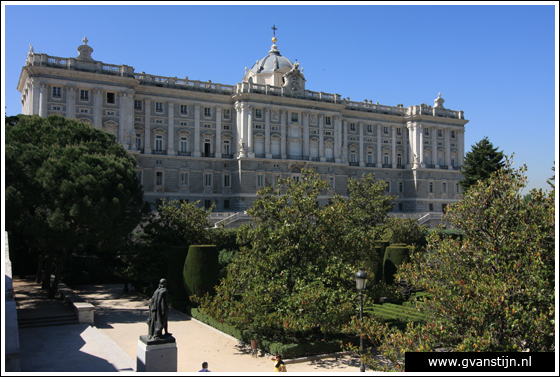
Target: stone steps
52,320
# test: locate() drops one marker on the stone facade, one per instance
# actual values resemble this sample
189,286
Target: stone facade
199,140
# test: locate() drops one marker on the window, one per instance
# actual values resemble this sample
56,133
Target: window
207,203
183,144
353,157
207,179
387,186
111,113
110,97
137,119
159,178
159,121
258,113
258,126
399,131
226,147
331,183
431,207
370,157
457,190
227,180
386,158
183,123
84,111
427,131
294,117
444,208
138,141
159,143
260,180
57,92
328,121
385,130
440,133
369,128
226,114
184,179
184,109
137,104
443,187
207,125
139,176
159,107
84,95
226,127
453,134
400,207
401,187
399,159
352,127
431,187
207,112
56,108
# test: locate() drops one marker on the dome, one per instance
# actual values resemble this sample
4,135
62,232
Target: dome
271,62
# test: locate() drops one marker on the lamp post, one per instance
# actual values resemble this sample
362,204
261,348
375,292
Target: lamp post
361,277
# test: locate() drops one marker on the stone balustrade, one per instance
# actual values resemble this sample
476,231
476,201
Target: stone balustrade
35,59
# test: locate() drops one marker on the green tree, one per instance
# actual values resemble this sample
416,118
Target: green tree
293,278
479,164
494,289
68,186
407,231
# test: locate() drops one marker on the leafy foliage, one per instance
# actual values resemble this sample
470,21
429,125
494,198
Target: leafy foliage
68,186
407,231
480,163
292,278
494,289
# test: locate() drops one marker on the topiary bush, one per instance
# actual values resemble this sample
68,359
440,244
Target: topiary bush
395,255
201,270
375,264
178,297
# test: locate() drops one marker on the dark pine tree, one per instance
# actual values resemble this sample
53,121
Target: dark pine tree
480,163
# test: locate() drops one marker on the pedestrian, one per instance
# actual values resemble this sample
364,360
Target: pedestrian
278,363
204,367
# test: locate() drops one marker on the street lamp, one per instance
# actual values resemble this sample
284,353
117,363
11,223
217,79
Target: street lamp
361,277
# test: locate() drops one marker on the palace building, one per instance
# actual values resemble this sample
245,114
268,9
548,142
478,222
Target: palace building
217,143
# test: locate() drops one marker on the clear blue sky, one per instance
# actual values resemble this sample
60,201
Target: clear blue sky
497,63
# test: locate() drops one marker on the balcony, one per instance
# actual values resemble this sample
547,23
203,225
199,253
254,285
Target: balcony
208,155
183,153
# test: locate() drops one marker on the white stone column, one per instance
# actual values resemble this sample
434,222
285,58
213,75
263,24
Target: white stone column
413,137
36,97
379,163
70,102
43,100
337,138
283,129
218,132
306,135
447,149
126,125
434,148
321,138
393,147
147,127
196,136
361,137
421,146
405,148
344,153
97,108
461,147
171,130
249,114
267,145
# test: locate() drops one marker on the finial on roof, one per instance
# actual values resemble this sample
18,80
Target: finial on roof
85,40
274,28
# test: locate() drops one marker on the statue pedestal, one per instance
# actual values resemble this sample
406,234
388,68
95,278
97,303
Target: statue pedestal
156,355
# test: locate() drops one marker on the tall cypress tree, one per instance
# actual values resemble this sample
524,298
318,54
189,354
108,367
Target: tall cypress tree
480,163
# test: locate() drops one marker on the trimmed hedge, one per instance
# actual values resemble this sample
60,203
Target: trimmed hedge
395,255
375,264
395,315
178,296
201,270
288,351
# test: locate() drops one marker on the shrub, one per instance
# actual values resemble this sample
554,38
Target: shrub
201,269
395,255
176,260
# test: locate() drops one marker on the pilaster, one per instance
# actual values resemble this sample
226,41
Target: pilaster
171,130
147,127
196,136
70,102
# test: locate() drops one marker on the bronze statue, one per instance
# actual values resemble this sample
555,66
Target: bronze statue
159,309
